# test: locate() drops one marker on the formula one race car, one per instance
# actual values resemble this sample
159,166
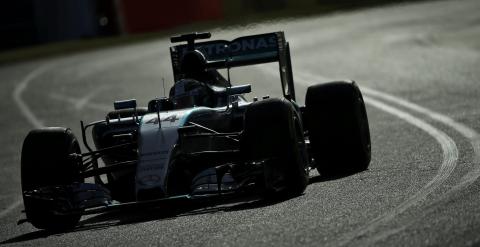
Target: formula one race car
204,142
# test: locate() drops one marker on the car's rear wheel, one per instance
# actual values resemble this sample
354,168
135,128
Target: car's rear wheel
273,132
337,123
46,161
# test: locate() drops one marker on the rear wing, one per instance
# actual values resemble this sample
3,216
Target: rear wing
242,51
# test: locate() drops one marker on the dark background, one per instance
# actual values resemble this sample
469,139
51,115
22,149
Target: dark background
31,22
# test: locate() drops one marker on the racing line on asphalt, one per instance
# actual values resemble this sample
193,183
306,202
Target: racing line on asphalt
450,157
21,87
28,114
464,130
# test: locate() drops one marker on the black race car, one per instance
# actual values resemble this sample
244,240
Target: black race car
203,142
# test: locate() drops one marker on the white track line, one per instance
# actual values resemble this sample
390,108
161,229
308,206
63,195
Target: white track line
80,103
10,208
450,157
27,113
464,130
21,87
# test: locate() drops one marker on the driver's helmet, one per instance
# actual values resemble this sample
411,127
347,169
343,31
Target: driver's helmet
190,93
193,65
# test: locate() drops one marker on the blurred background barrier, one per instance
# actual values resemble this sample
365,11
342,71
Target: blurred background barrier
31,22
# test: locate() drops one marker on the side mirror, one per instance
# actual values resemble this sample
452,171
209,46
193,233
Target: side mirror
241,89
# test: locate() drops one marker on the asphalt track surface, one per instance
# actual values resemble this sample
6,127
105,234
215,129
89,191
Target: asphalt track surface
418,67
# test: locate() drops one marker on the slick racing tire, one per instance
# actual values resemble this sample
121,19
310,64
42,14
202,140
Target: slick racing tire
273,133
338,129
45,162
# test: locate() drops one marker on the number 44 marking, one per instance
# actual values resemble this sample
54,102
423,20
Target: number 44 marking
171,118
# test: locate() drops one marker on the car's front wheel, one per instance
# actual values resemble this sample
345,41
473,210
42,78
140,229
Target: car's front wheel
273,133
47,161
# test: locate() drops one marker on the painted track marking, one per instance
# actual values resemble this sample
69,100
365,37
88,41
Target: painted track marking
450,157
78,103
21,87
464,130
28,114
10,208
467,132
81,102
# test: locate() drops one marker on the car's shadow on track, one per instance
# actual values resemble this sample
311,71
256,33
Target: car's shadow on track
113,219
